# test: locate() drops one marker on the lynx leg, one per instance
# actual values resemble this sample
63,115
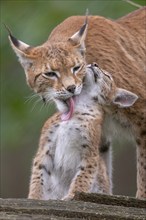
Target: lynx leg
84,179
141,168
106,153
35,189
41,172
103,179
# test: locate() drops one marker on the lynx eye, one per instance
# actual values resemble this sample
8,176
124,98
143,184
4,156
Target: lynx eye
76,69
95,73
108,76
95,76
50,74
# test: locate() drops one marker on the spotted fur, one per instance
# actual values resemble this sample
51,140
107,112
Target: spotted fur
71,157
117,46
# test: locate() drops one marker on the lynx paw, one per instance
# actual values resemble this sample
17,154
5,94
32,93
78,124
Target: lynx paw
68,197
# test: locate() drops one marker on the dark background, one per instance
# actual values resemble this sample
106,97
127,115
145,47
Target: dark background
22,115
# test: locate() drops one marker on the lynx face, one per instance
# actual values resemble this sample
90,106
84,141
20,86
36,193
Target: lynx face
104,90
54,70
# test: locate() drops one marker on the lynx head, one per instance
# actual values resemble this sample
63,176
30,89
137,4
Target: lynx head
104,90
54,70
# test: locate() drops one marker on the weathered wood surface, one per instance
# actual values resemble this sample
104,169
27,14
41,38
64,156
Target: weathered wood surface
85,206
111,200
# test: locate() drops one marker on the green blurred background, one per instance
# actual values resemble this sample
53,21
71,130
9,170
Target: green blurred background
23,116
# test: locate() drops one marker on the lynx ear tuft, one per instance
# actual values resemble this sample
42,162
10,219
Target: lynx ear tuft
17,45
78,39
21,49
124,98
11,37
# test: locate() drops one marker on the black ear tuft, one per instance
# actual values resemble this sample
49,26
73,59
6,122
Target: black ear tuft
85,24
8,29
82,30
87,13
13,39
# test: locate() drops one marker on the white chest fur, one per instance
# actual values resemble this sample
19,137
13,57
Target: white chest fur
66,160
70,137
68,146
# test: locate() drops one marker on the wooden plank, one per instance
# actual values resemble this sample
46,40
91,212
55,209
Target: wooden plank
23,209
111,200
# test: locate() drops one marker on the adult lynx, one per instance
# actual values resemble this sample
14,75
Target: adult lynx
118,46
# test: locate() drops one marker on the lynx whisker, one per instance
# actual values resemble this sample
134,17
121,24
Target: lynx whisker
30,98
35,104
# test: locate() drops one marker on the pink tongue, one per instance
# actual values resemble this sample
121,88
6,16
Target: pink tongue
67,115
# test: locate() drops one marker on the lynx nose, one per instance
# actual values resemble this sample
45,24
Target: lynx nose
71,88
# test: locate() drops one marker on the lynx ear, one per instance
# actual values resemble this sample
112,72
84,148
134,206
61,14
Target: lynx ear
78,39
21,50
124,98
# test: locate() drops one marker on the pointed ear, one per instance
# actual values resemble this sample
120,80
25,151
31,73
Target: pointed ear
78,39
21,49
124,98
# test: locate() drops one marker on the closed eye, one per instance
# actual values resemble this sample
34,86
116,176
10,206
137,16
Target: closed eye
95,77
108,76
95,73
104,72
50,74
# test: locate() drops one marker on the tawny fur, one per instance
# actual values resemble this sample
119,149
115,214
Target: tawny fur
118,47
